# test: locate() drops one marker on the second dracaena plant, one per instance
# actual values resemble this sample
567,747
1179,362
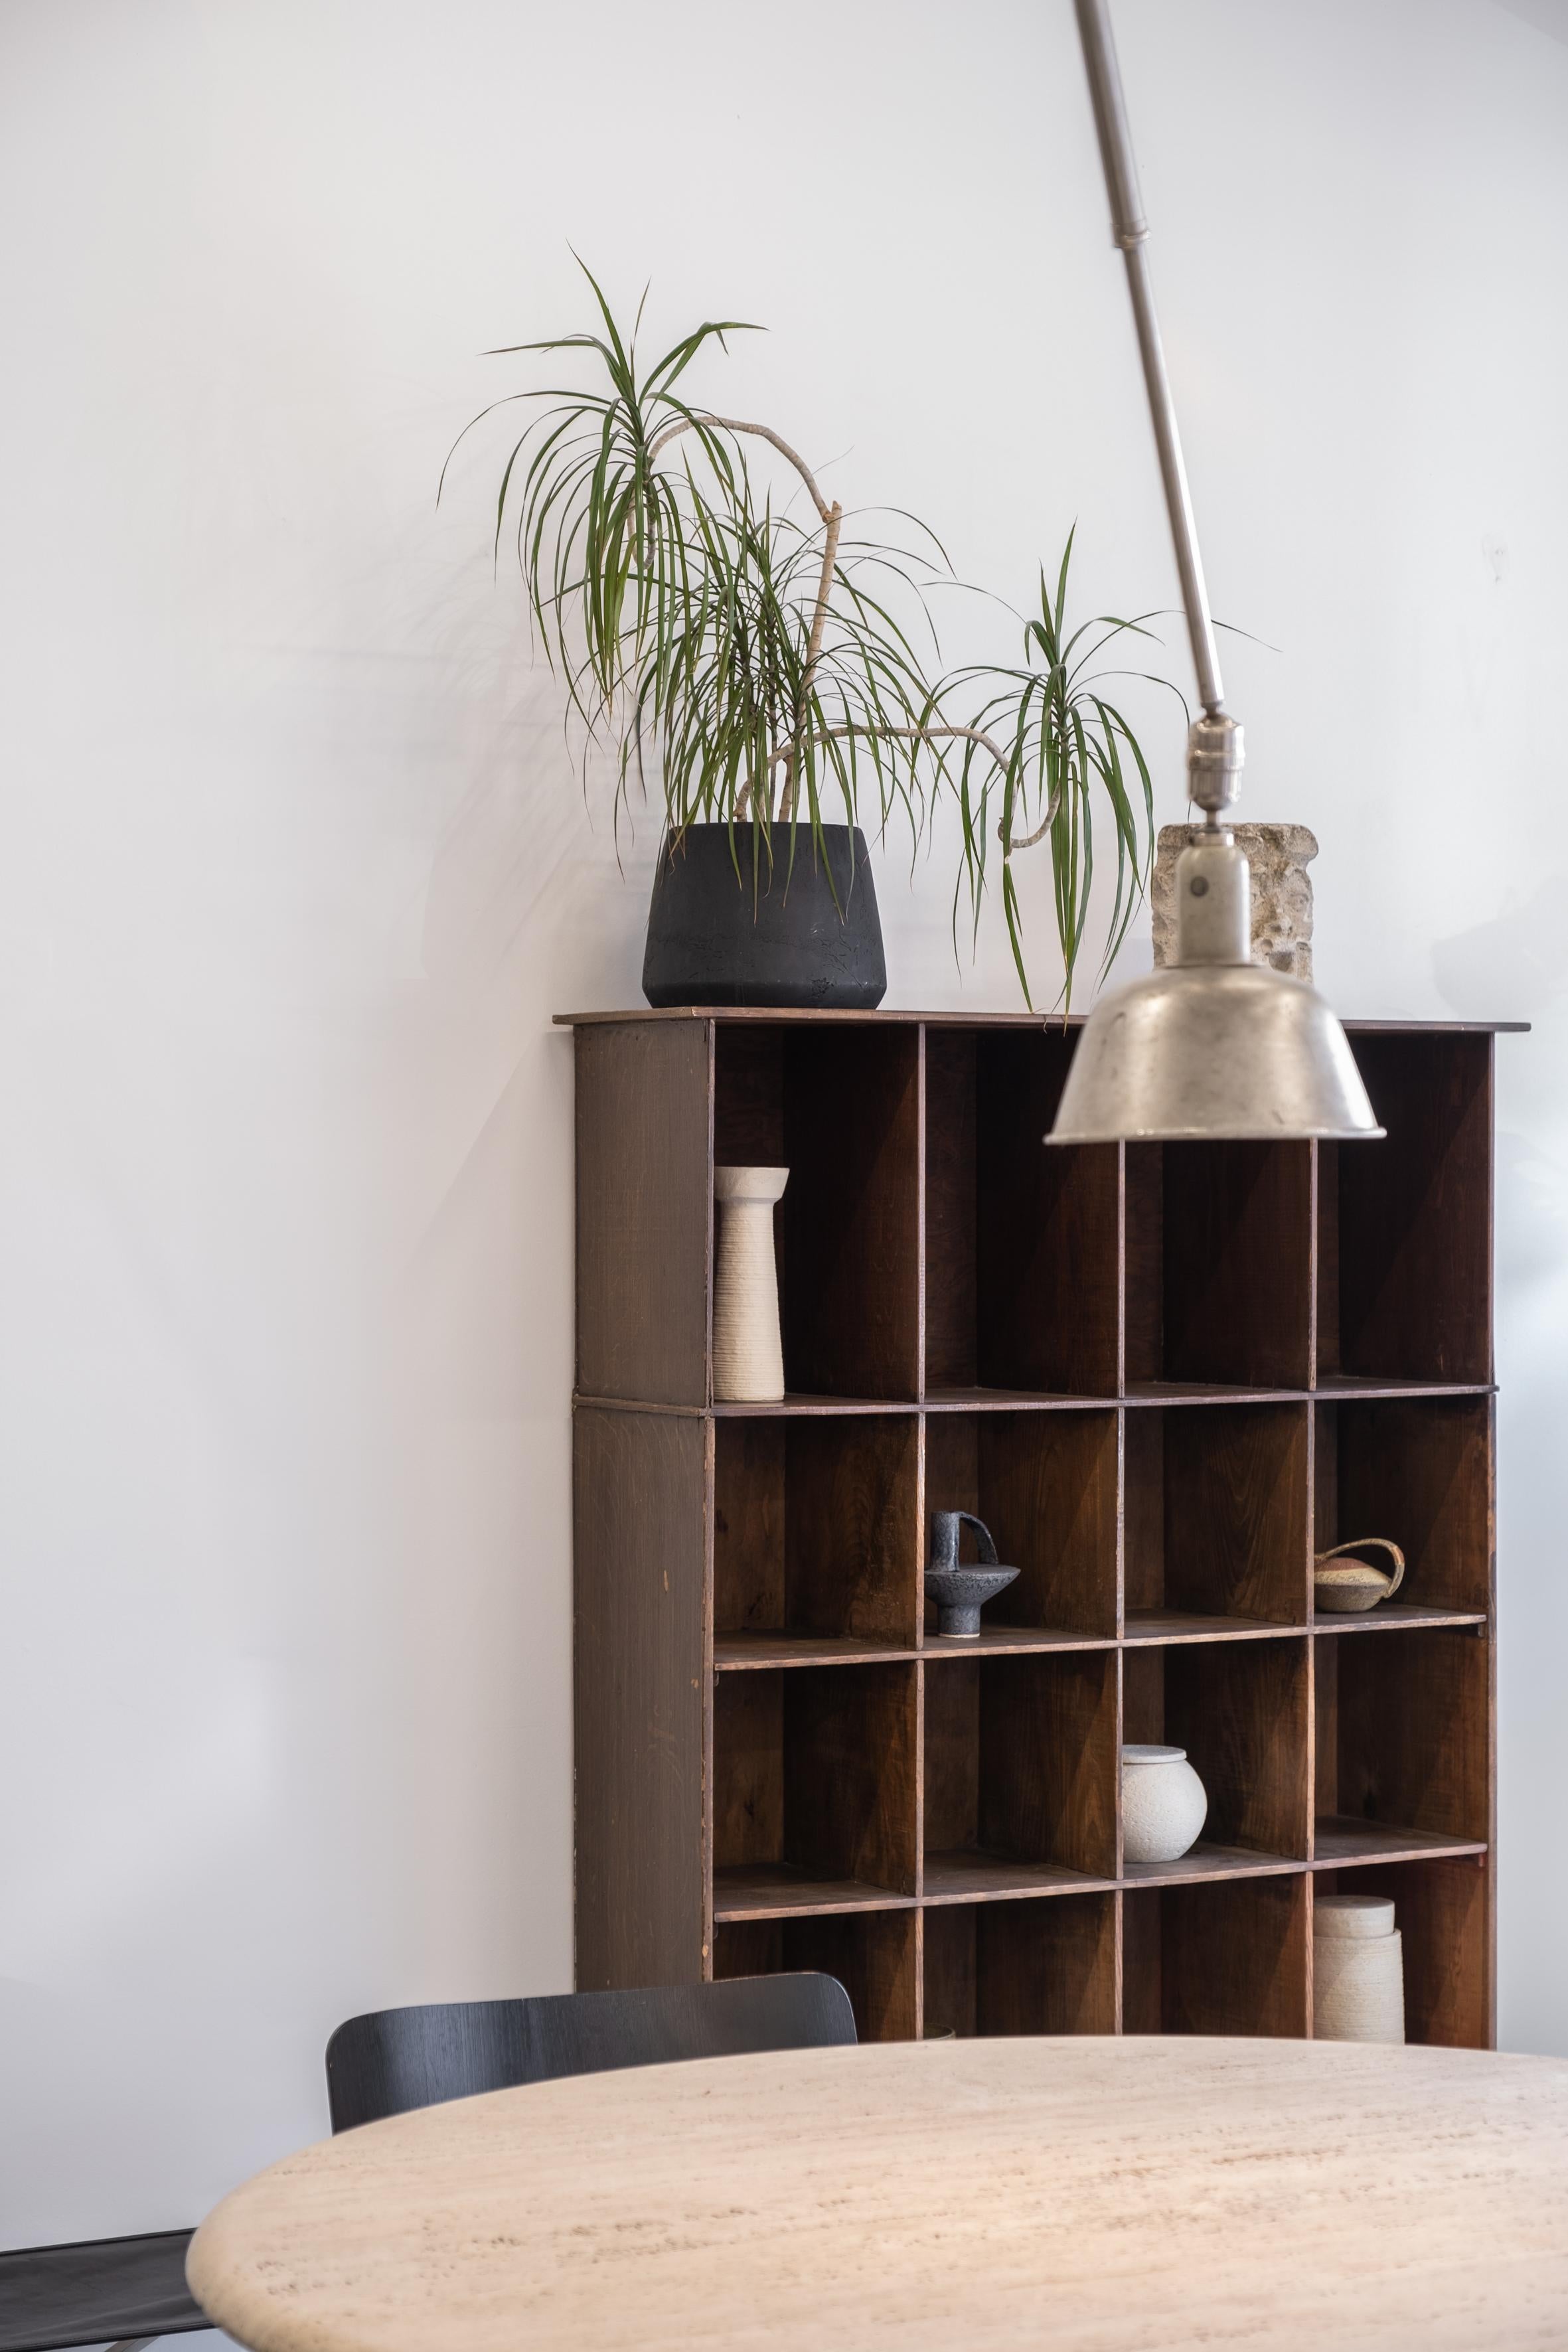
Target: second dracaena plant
772,669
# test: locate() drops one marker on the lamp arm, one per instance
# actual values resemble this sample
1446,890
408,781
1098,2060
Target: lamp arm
1214,747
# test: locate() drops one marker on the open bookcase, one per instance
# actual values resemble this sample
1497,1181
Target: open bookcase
1164,1377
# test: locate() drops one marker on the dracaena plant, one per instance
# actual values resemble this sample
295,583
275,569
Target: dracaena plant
776,672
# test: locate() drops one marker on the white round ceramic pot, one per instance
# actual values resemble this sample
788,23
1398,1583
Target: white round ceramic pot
1163,1804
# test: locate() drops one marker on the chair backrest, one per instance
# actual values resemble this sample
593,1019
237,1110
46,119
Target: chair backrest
395,2059
95,2290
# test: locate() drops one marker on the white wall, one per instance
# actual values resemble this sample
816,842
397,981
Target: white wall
293,869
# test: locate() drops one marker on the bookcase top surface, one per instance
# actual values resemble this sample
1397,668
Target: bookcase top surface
967,1020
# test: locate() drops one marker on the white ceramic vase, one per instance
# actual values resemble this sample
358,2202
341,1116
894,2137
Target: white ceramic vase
1358,1970
1163,1804
748,1353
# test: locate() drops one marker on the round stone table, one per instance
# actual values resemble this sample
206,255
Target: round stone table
959,2195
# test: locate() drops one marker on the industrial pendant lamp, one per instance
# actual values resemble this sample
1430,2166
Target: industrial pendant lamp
1213,1044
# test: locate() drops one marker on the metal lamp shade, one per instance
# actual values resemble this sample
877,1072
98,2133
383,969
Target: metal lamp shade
1201,1052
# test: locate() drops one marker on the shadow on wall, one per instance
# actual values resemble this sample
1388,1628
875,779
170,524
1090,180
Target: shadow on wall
1510,968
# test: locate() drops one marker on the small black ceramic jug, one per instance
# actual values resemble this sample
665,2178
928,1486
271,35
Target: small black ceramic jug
959,1593
947,1526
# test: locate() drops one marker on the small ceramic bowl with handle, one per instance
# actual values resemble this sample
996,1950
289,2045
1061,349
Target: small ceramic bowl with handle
1343,1583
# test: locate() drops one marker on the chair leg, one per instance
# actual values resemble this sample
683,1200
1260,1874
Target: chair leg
133,2344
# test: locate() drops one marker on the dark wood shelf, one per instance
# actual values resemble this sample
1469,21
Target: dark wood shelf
1338,1841
1208,1862
1332,1386
977,1400
779,1893
1017,1639
1165,1377
738,1653
732,1409
1182,1625
1390,1616
966,1877
1198,1393
1035,1023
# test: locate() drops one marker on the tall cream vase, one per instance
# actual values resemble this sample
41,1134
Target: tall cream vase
748,1353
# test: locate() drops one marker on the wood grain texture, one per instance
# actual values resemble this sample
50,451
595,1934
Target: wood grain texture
644,1212
814,1528
1227,1958
640,1687
1022,1967
1021,1763
852,1536
1045,1485
1403,1732
851,1773
851,1212
1414,1213
1419,1471
873,1955
1129,2196
1217,1512
748,1770
1046,1272
1441,1912
1242,1711
749,1527
950,1224
1048,1484
1238,1261
1049,1759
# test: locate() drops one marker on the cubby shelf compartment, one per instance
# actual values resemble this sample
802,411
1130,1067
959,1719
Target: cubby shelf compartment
1228,1959
874,1955
1021,1759
816,1529
1215,1506
1441,1909
1404,1286
1022,1273
1218,1265
813,1777
1241,1711
1021,1967
1417,1470
1164,1378
840,1108
1045,1485
1403,1744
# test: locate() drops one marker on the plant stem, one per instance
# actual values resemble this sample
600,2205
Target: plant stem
932,735
813,650
765,433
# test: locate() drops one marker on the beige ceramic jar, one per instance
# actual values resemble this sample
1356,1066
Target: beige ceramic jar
1358,1970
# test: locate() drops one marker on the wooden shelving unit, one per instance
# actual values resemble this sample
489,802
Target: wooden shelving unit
1164,1376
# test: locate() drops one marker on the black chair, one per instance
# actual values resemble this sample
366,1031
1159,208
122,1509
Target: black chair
397,2059
127,2290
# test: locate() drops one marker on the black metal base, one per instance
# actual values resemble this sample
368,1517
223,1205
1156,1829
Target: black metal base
711,939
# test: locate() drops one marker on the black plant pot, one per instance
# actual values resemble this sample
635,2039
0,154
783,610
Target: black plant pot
712,941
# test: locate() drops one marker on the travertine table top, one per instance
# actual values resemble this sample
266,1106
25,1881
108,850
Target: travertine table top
1079,2193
